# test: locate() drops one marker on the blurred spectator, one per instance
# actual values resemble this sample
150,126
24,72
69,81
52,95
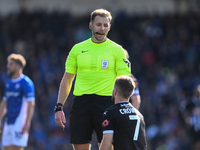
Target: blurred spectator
191,115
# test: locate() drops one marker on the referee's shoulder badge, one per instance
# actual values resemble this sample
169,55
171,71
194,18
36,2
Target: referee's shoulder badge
127,62
104,64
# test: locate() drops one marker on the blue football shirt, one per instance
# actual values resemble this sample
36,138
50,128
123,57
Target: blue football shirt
135,92
17,93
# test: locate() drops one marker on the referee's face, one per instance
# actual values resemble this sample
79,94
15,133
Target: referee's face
100,28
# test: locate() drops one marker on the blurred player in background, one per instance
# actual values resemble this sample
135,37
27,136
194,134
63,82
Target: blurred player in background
190,109
96,62
17,105
123,125
135,98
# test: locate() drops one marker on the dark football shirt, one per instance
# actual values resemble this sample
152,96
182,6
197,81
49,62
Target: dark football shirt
127,125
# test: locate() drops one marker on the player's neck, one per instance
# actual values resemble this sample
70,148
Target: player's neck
16,75
123,102
96,41
120,100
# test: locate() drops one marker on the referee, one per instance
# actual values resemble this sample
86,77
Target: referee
96,62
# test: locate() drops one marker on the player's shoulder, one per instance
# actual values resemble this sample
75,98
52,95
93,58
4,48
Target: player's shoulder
112,108
83,43
80,46
26,80
115,48
139,114
9,81
114,44
129,107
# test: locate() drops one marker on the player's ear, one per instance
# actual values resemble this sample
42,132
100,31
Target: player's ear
109,27
18,66
90,25
115,91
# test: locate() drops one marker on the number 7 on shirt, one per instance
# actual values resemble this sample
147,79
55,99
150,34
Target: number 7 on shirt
137,127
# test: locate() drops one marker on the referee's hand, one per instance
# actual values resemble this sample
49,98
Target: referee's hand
60,118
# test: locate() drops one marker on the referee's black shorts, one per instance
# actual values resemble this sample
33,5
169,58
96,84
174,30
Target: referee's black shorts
86,116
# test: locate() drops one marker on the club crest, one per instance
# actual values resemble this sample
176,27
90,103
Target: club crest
104,64
17,86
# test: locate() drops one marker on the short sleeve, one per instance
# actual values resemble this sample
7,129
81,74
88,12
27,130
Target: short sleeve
123,66
29,91
108,122
136,92
71,62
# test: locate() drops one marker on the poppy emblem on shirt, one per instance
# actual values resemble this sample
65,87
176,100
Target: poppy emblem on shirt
105,123
104,64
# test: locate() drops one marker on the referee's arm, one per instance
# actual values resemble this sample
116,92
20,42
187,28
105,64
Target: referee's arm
64,89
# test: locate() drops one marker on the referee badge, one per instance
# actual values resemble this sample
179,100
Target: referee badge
104,64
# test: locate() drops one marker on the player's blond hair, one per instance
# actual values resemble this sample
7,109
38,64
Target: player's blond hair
100,12
17,58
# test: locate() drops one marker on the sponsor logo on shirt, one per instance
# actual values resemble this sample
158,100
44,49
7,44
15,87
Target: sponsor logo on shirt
9,94
104,64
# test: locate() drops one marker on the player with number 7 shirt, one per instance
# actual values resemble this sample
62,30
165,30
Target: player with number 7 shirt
123,125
